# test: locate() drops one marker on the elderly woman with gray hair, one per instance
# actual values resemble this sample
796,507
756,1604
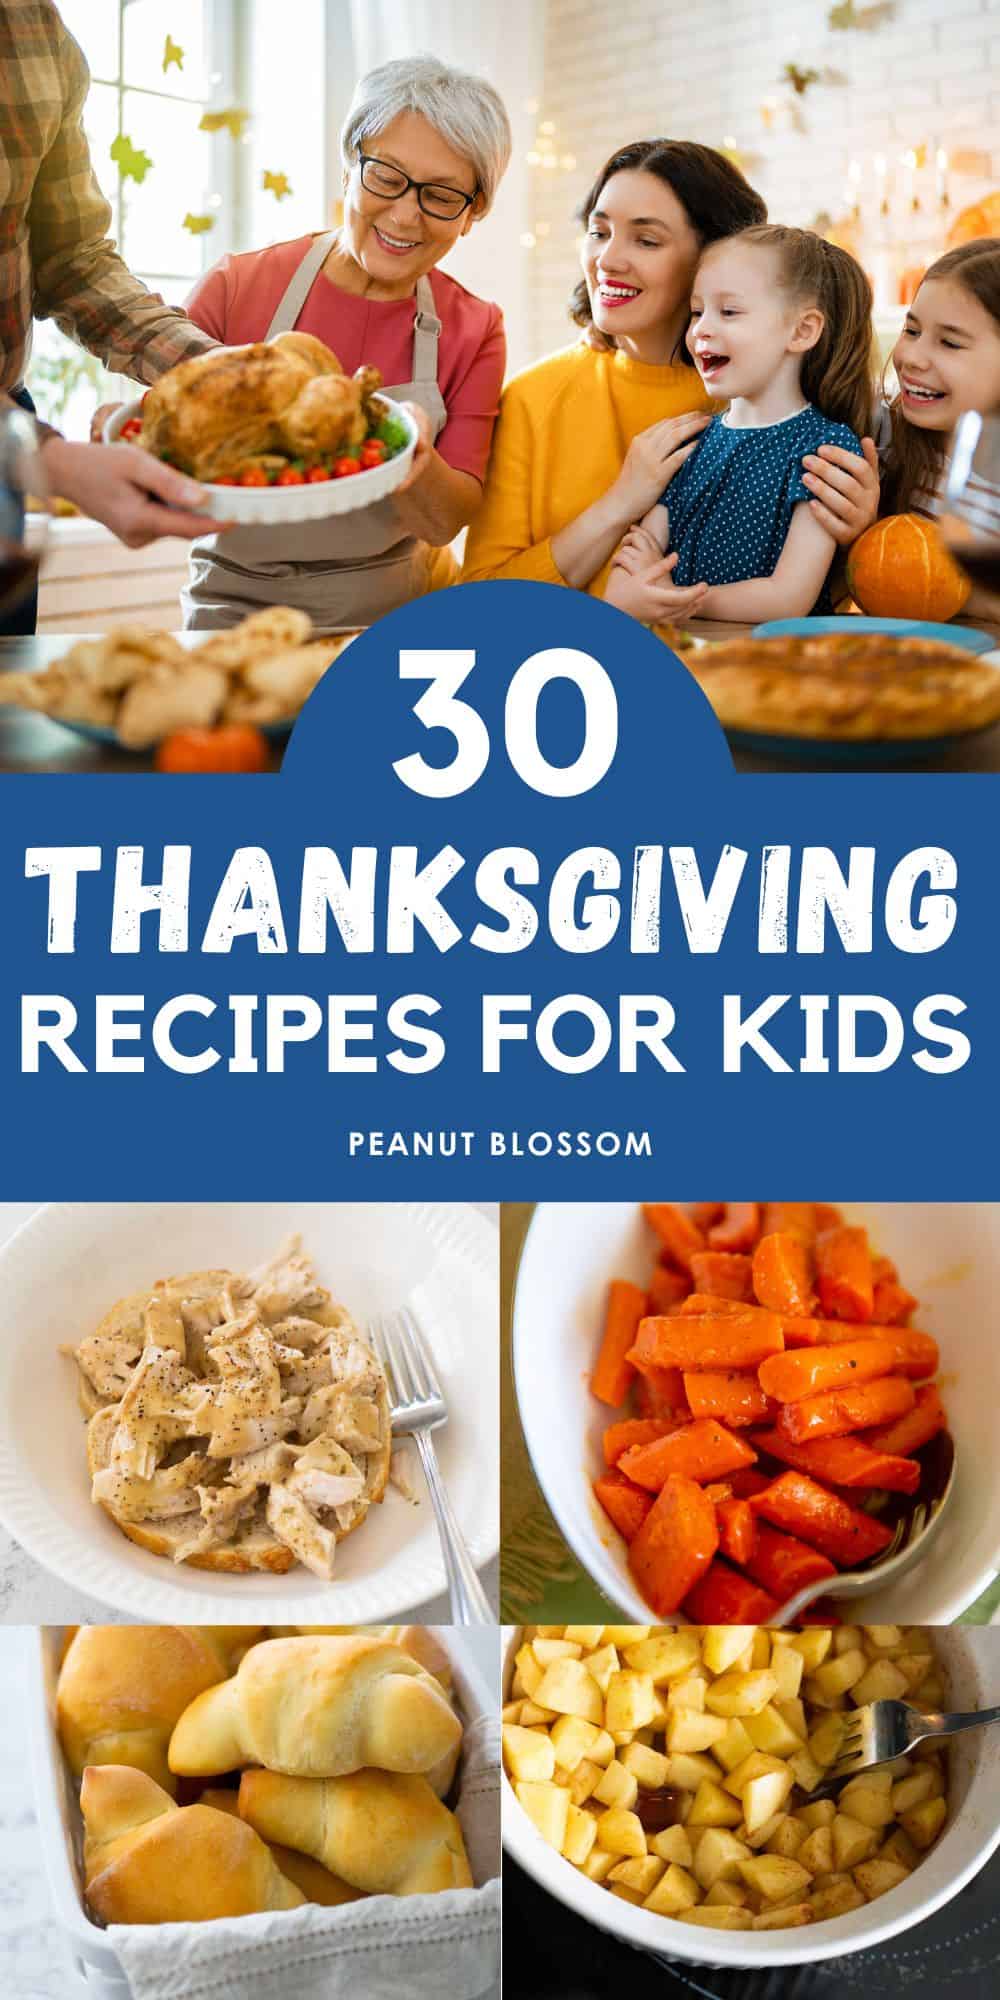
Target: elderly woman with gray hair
424,148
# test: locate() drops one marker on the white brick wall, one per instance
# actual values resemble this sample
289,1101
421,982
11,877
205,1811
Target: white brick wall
930,74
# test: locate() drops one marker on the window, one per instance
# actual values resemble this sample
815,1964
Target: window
236,54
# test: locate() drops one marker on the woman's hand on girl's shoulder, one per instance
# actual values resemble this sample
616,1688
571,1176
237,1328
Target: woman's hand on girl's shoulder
845,489
653,458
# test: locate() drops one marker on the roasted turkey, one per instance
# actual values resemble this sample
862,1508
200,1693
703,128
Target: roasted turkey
289,395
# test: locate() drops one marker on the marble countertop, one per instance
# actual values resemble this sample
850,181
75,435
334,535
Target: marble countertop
30,1595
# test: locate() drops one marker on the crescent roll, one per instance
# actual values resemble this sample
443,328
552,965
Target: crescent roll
319,1707
122,1688
149,1861
386,1833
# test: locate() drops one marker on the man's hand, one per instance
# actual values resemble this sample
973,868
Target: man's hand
134,495
845,489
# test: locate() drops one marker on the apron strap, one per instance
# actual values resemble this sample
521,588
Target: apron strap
426,333
301,284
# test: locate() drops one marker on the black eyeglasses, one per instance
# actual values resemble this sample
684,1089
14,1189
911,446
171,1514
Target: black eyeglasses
446,203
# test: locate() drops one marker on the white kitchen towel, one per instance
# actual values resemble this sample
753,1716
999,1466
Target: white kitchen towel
443,1947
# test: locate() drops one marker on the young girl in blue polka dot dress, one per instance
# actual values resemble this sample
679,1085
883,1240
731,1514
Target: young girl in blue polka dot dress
781,328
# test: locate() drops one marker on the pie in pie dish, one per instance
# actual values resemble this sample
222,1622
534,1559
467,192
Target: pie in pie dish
848,687
235,1421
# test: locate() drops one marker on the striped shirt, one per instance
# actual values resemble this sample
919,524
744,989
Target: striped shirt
56,258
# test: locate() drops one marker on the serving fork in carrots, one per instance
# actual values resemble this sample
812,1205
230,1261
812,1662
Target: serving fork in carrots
765,1381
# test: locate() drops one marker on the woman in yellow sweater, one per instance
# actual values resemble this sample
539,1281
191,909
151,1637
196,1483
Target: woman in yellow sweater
587,439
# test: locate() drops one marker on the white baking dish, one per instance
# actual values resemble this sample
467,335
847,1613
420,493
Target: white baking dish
281,506
970,1658
92,1956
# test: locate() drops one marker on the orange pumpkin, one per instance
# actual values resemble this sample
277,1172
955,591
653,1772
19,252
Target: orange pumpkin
900,568
230,746
910,282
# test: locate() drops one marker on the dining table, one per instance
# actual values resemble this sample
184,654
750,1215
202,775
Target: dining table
32,743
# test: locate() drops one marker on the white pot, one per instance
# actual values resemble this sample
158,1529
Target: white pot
971,1661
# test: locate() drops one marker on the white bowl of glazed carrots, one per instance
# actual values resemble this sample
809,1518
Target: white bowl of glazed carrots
773,1381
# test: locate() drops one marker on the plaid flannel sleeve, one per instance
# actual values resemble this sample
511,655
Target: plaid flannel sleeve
79,279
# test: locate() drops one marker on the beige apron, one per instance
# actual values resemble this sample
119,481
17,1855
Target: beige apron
349,569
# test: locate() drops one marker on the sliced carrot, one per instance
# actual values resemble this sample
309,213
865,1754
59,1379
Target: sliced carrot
810,1371
724,1597
739,1227
702,1450
796,1503
676,1231
782,1273
614,1371
844,1273
747,1481
826,1216
724,1274
856,1408
915,1428
659,1392
666,1289
843,1461
738,1530
732,1340
620,1437
674,1545
792,1218
697,1304
734,1397
783,1564
719,1489
704,1213
892,1303
914,1353
624,1504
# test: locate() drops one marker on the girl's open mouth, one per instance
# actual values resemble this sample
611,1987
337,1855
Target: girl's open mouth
711,365
914,392
397,246
616,295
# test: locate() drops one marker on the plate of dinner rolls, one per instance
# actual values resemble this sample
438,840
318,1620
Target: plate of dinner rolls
192,1773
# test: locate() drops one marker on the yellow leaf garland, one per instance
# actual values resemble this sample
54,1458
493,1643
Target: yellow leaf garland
277,184
232,121
132,163
198,224
172,53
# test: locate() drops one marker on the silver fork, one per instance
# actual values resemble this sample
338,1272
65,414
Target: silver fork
883,1730
418,1407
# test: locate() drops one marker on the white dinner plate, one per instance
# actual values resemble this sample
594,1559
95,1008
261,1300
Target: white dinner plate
70,1262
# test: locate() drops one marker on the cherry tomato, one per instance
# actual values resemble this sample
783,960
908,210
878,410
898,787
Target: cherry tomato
225,479
254,475
232,746
373,452
290,476
343,467
132,428
316,473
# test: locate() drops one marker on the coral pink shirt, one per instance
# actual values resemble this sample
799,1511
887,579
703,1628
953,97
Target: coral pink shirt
236,301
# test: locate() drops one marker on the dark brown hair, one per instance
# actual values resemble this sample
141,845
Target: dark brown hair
916,457
838,373
716,198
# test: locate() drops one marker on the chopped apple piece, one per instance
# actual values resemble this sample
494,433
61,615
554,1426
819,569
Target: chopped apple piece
877,1876
869,1799
773,1876
547,1806
720,1918
528,1752
789,1917
617,1787
673,1844
738,1694
629,1703
687,1730
882,1682
666,1656
924,1784
580,1835
816,1852
601,1665
852,1842
713,1807
719,1856
569,1688
923,1823
640,1874
675,1892
835,1898
837,1676
722,1645
768,1731
648,1767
